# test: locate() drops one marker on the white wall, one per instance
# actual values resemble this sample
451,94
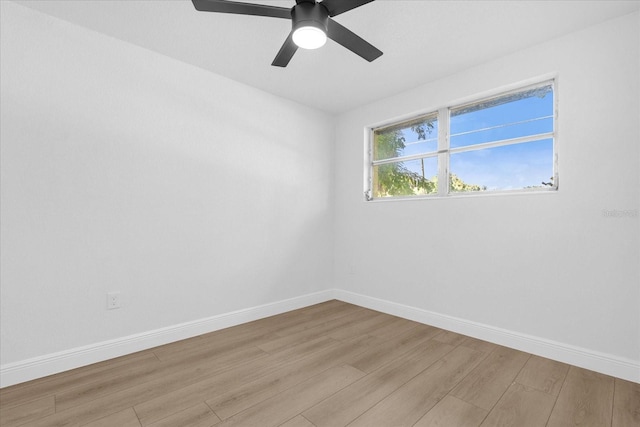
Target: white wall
549,266
125,170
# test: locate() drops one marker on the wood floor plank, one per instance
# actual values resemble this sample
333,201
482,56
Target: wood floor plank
449,337
305,347
155,408
626,404
315,318
125,418
363,327
245,395
286,345
63,381
124,378
144,392
488,382
298,421
586,399
295,335
191,370
27,412
521,406
411,401
393,328
213,387
297,318
348,404
199,415
543,374
476,344
390,349
214,344
284,406
367,341
450,412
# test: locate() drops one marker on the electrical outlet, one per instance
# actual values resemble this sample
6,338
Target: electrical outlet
113,300
351,269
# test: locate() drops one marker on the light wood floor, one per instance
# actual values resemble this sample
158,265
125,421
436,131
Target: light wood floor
331,364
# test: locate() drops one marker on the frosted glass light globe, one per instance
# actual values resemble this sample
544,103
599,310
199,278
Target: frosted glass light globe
309,37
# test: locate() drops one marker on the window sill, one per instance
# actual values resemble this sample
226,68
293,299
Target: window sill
467,195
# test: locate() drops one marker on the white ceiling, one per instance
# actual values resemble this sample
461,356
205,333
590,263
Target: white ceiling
421,40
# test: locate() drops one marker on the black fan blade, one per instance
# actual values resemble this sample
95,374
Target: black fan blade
241,8
286,52
351,41
336,7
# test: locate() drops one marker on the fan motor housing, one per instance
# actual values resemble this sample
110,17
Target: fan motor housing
309,14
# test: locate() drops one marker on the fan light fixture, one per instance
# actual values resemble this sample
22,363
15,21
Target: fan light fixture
311,24
309,37
309,20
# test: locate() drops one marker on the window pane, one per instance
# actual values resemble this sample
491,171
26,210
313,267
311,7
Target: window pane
409,178
417,136
525,113
510,167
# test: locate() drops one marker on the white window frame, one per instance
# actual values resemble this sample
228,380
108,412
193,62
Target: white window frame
444,150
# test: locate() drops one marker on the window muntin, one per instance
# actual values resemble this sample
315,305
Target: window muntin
502,143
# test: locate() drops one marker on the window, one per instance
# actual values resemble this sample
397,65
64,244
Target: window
497,144
405,158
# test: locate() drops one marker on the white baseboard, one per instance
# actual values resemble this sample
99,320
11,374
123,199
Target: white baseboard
42,366
600,362
38,367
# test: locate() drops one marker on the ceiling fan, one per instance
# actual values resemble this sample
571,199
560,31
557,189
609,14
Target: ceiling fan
311,24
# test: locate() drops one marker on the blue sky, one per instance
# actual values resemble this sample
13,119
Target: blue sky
500,168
